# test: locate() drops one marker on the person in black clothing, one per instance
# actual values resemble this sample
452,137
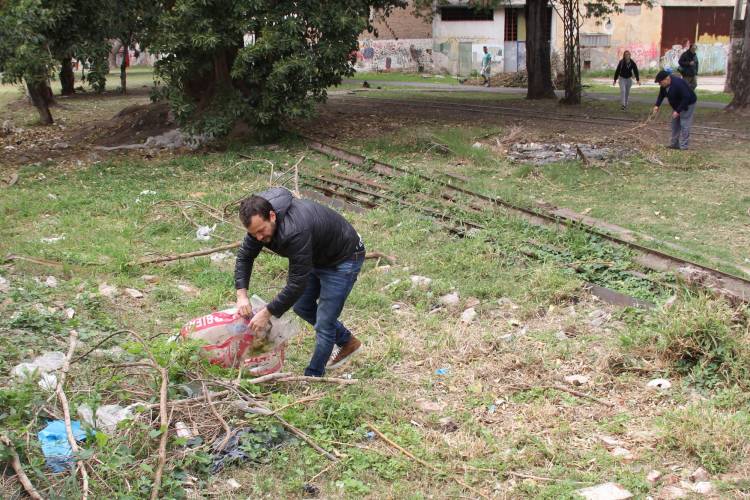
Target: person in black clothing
626,70
325,256
689,66
682,99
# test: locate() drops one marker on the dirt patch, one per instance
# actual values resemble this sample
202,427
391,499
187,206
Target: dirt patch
133,125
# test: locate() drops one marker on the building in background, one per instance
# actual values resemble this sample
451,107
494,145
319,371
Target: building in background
452,43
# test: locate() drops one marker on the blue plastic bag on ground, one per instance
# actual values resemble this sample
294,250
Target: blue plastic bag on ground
55,445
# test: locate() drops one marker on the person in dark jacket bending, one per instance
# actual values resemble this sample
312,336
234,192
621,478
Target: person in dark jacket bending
682,99
689,66
325,256
626,70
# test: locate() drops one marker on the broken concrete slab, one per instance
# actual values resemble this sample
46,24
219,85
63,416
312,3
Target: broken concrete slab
541,153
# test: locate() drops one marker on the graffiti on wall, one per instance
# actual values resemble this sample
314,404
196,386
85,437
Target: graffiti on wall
646,55
386,55
712,57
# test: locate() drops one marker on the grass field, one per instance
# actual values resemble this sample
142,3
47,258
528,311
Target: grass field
485,403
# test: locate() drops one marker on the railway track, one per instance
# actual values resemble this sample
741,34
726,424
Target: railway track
454,197
716,132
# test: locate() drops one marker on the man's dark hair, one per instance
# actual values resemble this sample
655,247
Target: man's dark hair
254,205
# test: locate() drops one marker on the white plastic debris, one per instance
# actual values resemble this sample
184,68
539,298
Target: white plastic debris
70,313
4,285
147,192
653,476
86,414
182,430
422,282
469,315
108,416
48,382
477,145
430,406
221,256
204,232
703,488
450,299
106,290
577,380
623,453
53,239
133,293
659,384
609,441
233,484
51,282
606,491
46,363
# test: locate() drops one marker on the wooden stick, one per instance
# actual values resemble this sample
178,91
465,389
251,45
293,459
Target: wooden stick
178,402
33,260
66,410
163,416
227,430
15,462
329,380
419,460
269,377
380,255
189,255
305,438
568,390
307,399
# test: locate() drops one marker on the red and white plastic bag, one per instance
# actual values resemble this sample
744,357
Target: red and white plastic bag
229,341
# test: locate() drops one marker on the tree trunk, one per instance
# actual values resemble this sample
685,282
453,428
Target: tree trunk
39,93
735,53
67,78
741,79
123,66
538,54
572,51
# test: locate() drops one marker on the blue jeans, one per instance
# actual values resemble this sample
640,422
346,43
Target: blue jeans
320,305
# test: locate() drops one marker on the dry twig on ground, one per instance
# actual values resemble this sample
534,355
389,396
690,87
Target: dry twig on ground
163,415
15,462
66,411
426,464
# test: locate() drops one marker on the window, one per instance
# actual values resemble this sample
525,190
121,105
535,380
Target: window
511,25
632,9
595,40
466,14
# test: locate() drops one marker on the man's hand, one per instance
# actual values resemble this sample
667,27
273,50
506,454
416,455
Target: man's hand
614,83
243,304
639,82
655,110
675,114
259,322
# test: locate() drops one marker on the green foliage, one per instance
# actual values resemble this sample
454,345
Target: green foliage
717,439
25,39
254,61
699,336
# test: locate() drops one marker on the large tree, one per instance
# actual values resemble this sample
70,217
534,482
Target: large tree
538,51
255,61
741,70
25,48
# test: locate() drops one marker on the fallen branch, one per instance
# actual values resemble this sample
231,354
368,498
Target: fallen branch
224,424
305,438
163,416
568,390
419,460
33,260
15,462
189,255
269,377
66,411
324,380
199,253
380,255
